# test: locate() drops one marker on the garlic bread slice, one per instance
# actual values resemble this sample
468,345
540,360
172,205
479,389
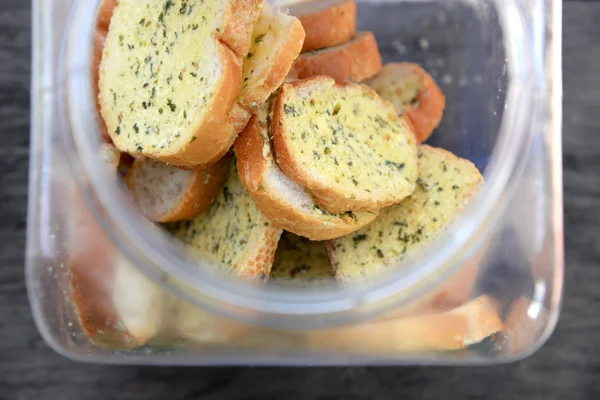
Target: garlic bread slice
284,202
170,73
445,185
232,234
345,144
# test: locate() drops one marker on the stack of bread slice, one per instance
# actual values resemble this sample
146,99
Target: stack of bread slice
326,142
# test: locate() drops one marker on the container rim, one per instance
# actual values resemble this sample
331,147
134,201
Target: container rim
147,249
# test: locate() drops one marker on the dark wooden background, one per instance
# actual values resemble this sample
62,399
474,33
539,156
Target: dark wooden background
567,367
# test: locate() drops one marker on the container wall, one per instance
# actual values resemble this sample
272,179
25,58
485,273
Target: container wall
121,316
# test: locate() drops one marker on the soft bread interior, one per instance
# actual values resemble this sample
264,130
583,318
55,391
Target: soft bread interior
158,187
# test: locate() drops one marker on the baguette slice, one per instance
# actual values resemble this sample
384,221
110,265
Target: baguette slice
445,185
345,144
327,22
170,73
168,194
103,16
302,260
415,95
452,330
353,61
276,42
232,234
284,202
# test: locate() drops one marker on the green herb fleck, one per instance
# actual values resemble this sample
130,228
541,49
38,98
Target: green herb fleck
171,105
360,238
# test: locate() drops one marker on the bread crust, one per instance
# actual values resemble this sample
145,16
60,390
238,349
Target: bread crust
353,61
257,264
202,187
252,170
328,27
238,23
103,16
334,200
427,109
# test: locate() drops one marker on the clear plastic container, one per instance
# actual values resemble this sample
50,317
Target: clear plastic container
499,64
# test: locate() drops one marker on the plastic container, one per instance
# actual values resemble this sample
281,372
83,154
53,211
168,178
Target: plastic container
498,63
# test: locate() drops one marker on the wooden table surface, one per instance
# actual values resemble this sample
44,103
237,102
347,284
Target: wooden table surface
568,366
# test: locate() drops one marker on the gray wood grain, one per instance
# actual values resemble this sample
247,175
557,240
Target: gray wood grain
567,367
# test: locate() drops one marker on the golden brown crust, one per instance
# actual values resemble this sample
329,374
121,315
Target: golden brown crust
258,265
452,330
103,16
331,199
238,23
429,103
353,61
252,168
328,27
202,187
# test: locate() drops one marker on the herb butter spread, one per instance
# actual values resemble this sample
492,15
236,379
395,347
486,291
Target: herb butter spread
445,185
300,259
160,68
347,141
232,231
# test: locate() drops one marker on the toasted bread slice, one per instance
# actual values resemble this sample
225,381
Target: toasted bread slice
327,22
170,73
165,193
415,95
353,61
299,259
103,16
232,234
452,330
284,202
345,144
276,42
445,185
